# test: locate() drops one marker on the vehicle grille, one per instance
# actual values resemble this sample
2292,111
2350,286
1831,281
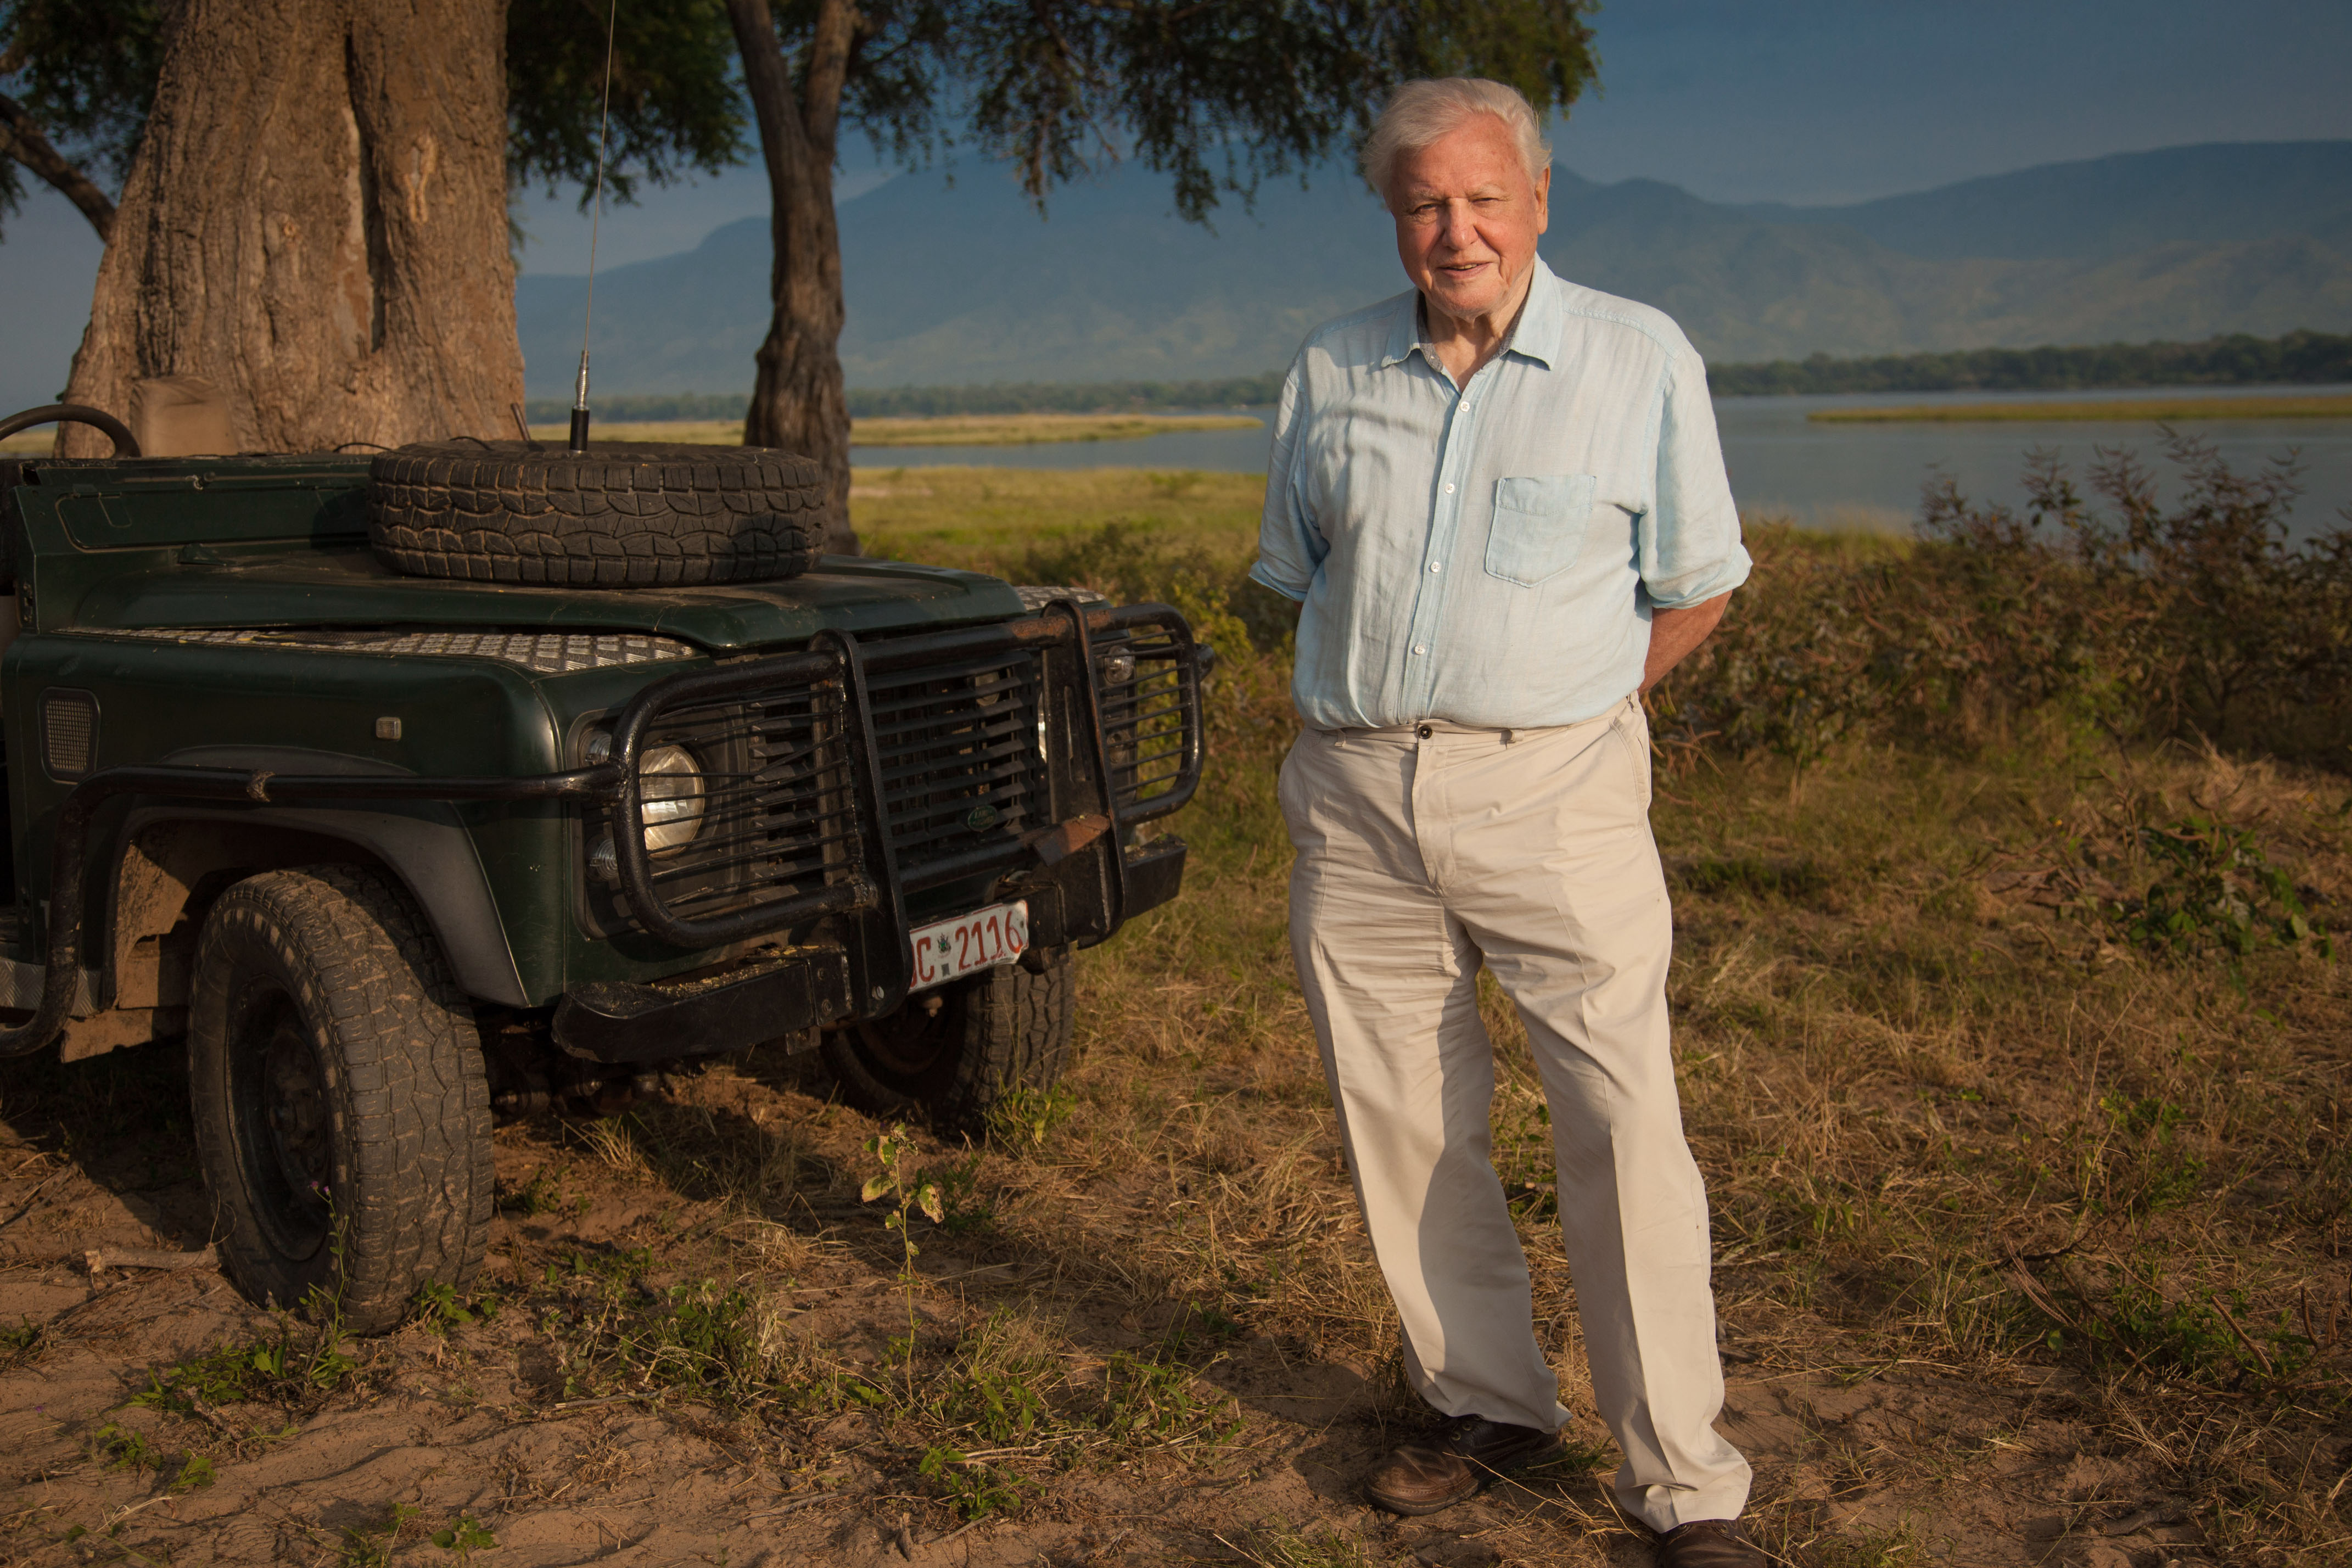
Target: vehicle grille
1139,675
959,725
960,770
778,813
961,777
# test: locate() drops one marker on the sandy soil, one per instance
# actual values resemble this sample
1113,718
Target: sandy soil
478,1422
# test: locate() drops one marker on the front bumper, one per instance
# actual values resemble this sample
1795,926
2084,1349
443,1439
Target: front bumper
1021,755
789,990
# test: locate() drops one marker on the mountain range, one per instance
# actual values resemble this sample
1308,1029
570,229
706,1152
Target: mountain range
963,283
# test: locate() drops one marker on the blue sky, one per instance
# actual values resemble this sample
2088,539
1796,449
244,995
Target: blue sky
1821,101
1810,101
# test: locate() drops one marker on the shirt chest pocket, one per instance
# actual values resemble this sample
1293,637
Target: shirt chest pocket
1538,528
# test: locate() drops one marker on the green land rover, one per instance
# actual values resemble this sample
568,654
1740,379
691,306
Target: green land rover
475,776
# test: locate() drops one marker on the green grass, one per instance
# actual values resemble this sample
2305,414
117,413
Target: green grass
990,518
2118,410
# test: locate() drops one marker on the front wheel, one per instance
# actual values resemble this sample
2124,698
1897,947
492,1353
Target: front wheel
954,1053
342,1116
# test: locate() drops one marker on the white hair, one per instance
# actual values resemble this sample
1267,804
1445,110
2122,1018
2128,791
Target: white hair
1420,114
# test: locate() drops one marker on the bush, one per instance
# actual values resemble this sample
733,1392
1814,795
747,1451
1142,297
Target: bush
2199,620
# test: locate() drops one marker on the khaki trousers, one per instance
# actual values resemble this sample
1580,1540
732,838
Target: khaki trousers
1422,850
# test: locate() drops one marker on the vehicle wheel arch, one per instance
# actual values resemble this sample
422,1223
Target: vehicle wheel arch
170,862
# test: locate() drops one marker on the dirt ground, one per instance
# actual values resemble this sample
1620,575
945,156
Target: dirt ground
488,1422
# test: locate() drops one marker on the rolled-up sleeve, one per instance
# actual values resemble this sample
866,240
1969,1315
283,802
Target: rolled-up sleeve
1691,549
1289,546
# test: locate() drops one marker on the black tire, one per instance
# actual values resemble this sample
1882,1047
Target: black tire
625,515
338,1086
1007,1029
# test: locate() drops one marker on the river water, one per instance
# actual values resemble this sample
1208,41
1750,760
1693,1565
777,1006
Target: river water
1822,475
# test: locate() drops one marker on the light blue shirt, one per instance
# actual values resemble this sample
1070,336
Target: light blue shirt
1491,554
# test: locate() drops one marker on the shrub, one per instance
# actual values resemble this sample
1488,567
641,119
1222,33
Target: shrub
2203,618
2214,890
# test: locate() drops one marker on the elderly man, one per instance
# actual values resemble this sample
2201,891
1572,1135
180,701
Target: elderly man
1500,498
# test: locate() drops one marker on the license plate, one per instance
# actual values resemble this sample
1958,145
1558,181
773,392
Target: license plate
948,950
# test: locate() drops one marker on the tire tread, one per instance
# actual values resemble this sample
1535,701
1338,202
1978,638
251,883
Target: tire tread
1016,1035
627,515
406,1079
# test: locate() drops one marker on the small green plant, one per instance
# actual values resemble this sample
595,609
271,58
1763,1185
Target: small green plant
438,1308
2168,1174
125,1448
706,1339
196,1471
464,1538
22,1343
1278,1545
1149,1398
909,1193
965,1210
696,1334
2134,1323
2214,893
1024,1119
371,1545
542,1194
972,1489
1898,1547
996,1390
608,1268
296,1367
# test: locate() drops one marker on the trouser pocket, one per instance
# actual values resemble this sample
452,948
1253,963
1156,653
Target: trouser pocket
1632,729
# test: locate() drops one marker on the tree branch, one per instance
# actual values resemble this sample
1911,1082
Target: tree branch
828,67
21,139
769,80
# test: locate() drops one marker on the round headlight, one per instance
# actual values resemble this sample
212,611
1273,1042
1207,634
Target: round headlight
669,798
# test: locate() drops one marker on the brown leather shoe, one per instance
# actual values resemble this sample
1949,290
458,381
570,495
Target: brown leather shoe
1450,1467
1709,1543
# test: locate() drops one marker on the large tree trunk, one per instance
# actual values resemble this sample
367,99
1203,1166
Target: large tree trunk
311,245
797,401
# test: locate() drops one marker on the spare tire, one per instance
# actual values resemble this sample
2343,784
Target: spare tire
621,515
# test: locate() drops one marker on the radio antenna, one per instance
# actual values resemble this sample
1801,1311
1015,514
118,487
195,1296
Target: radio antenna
595,221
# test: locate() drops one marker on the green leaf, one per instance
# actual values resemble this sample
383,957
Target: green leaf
873,1188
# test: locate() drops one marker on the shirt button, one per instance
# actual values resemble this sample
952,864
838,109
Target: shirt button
1437,566
1449,490
1465,405
1421,647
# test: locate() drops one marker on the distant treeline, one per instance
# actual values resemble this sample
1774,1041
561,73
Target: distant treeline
2239,360
626,406
2302,357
